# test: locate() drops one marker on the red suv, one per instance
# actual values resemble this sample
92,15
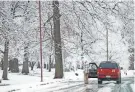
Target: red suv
109,70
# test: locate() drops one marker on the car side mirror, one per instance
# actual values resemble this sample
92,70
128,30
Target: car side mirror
121,68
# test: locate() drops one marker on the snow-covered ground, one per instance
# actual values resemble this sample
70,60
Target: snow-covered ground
133,87
31,82
127,73
105,89
18,81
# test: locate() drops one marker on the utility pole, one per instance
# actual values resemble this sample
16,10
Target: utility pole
40,41
107,43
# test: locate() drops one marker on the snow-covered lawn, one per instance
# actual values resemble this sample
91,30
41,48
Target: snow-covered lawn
18,81
71,75
130,73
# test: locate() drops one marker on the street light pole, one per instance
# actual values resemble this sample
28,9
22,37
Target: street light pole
40,41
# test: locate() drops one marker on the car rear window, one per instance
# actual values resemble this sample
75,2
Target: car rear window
108,65
92,66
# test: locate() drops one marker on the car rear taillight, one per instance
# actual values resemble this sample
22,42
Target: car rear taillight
100,69
118,71
113,70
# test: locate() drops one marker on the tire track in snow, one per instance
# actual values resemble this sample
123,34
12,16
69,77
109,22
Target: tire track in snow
91,87
125,86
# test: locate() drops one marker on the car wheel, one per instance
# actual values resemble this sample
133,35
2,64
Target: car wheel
118,81
100,81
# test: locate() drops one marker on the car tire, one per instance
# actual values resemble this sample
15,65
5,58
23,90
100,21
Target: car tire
100,81
118,81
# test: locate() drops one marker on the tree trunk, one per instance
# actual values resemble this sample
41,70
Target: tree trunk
57,41
32,67
2,64
25,69
50,63
131,62
47,67
82,49
44,65
32,64
5,63
38,66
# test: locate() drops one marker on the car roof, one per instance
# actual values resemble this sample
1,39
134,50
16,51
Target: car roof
108,62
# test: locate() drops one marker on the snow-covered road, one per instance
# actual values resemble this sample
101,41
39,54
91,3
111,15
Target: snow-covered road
79,86
113,87
107,86
125,86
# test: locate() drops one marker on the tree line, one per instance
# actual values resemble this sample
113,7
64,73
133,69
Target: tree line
69,29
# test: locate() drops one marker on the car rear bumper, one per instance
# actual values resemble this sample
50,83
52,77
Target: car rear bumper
110,76
108,79
114,77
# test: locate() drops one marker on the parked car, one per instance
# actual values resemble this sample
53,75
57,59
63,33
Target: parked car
109,70
92,70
